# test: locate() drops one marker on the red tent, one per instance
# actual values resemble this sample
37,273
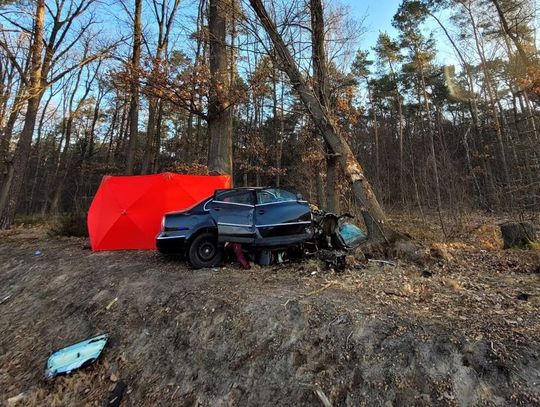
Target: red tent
126,212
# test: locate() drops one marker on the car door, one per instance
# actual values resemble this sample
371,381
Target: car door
280,217
233,211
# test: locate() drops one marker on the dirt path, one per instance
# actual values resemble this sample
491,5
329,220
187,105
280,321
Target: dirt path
458,333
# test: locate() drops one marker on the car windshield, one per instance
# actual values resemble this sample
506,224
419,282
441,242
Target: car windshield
271,195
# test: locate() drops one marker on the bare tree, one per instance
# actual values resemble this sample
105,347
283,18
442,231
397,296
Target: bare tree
47,66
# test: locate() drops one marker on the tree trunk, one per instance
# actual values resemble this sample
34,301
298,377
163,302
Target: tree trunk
513,36
134,102
7,132
320,85
9,198
351,167
219,109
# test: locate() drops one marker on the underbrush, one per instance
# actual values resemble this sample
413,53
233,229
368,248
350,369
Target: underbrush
32,220
70,224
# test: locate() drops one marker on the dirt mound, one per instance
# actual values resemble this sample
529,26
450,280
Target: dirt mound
382,335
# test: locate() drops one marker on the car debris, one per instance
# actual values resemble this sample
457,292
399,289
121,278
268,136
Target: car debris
75,356
333,233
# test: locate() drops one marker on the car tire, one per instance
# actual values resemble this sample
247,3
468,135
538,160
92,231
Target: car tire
204,251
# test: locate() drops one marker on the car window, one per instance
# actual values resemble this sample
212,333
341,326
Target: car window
271,195
236,196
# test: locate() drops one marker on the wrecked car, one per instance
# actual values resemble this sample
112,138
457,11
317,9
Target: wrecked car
258,218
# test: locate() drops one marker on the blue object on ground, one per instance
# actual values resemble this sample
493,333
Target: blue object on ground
351,235
75,356
38,252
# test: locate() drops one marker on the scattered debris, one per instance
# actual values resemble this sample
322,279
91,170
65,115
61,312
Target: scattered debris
75,356
116,395
407,250
38,253
333,259
384,262
16,399
439,251
323,398
3,300
523,296
108,307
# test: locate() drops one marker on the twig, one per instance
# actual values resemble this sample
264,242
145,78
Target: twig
390,263
7,297
395,294
347,341
323,398
111,304
319,290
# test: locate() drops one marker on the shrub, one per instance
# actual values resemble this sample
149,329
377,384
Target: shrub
70,224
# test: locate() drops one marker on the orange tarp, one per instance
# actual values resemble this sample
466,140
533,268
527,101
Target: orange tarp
126,212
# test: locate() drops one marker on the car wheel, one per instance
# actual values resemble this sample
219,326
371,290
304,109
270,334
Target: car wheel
204,251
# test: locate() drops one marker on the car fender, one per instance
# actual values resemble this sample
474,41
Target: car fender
208,224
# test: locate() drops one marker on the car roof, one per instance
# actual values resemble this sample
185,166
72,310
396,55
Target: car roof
243,188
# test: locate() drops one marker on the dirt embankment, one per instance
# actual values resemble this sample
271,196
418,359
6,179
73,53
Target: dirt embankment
463,332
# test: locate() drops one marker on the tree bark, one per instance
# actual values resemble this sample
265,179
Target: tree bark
219,109
134,102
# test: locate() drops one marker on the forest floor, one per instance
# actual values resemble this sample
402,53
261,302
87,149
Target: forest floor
457,331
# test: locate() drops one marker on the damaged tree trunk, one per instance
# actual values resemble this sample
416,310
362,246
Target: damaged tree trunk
353,170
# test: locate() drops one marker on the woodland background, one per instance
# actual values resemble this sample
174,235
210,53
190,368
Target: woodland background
89,88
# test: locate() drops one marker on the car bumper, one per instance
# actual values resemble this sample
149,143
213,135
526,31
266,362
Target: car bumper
171,242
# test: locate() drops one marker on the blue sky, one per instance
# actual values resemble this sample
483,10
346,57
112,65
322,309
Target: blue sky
378,17
378,14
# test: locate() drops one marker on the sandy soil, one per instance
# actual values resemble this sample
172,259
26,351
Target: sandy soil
461,331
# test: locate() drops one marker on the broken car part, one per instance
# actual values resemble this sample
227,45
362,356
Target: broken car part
75,356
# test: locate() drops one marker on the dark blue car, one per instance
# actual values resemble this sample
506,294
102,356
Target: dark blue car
259,218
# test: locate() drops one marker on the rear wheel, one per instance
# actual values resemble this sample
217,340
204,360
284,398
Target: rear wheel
204,251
